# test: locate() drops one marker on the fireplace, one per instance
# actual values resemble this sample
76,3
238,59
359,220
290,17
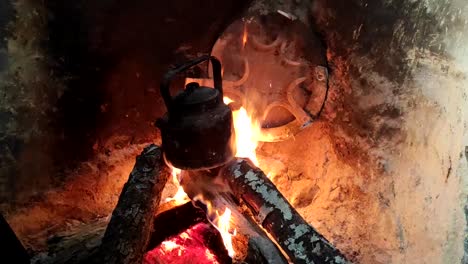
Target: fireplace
354,113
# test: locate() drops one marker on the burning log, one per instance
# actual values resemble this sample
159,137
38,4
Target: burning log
79,244
190,246
301,242
10,244
128,233
190,235
179,218
260,249
256,246
182,218
249,249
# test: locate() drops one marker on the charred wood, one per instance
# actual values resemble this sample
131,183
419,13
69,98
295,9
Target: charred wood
10,246
255,245
129,230
249,249
261,249
180,218
79,244
302,243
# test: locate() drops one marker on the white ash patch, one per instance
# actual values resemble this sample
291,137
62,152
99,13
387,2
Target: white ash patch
314,238
298,249
237,172
317,250
340,260
270,196
299,230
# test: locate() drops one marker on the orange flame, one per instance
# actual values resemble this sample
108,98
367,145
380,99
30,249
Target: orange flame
244,36
247,132
223,224
180,197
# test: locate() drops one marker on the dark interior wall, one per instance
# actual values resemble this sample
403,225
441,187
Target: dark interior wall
6,14
116,52
99,63
25,98
383,30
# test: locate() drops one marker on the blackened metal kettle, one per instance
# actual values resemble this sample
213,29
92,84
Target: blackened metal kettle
197,130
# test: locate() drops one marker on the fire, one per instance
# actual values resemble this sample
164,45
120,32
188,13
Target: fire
244,36
180,197
247,132
175,173
223,227
222,222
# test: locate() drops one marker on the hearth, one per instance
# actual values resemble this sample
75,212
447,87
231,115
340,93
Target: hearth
199,142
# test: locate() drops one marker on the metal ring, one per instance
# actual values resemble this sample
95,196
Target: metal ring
265,47
246,74
288,61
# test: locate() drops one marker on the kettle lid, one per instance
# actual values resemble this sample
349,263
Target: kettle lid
195,95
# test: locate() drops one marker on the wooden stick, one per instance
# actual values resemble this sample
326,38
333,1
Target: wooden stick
11,246
79,244
261,249
129,230
256,246
301,242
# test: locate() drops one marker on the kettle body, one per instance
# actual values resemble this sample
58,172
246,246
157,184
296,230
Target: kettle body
197,130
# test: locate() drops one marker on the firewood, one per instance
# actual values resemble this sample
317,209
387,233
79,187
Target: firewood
81,244
249,249
178,219
129,230
11,247
78,244
260,248
255,247
301,242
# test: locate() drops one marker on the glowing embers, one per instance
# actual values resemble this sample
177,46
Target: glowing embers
191,246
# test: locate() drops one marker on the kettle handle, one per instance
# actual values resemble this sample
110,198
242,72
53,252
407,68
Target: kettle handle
217,79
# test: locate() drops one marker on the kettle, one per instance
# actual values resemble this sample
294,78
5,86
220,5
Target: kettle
197,130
